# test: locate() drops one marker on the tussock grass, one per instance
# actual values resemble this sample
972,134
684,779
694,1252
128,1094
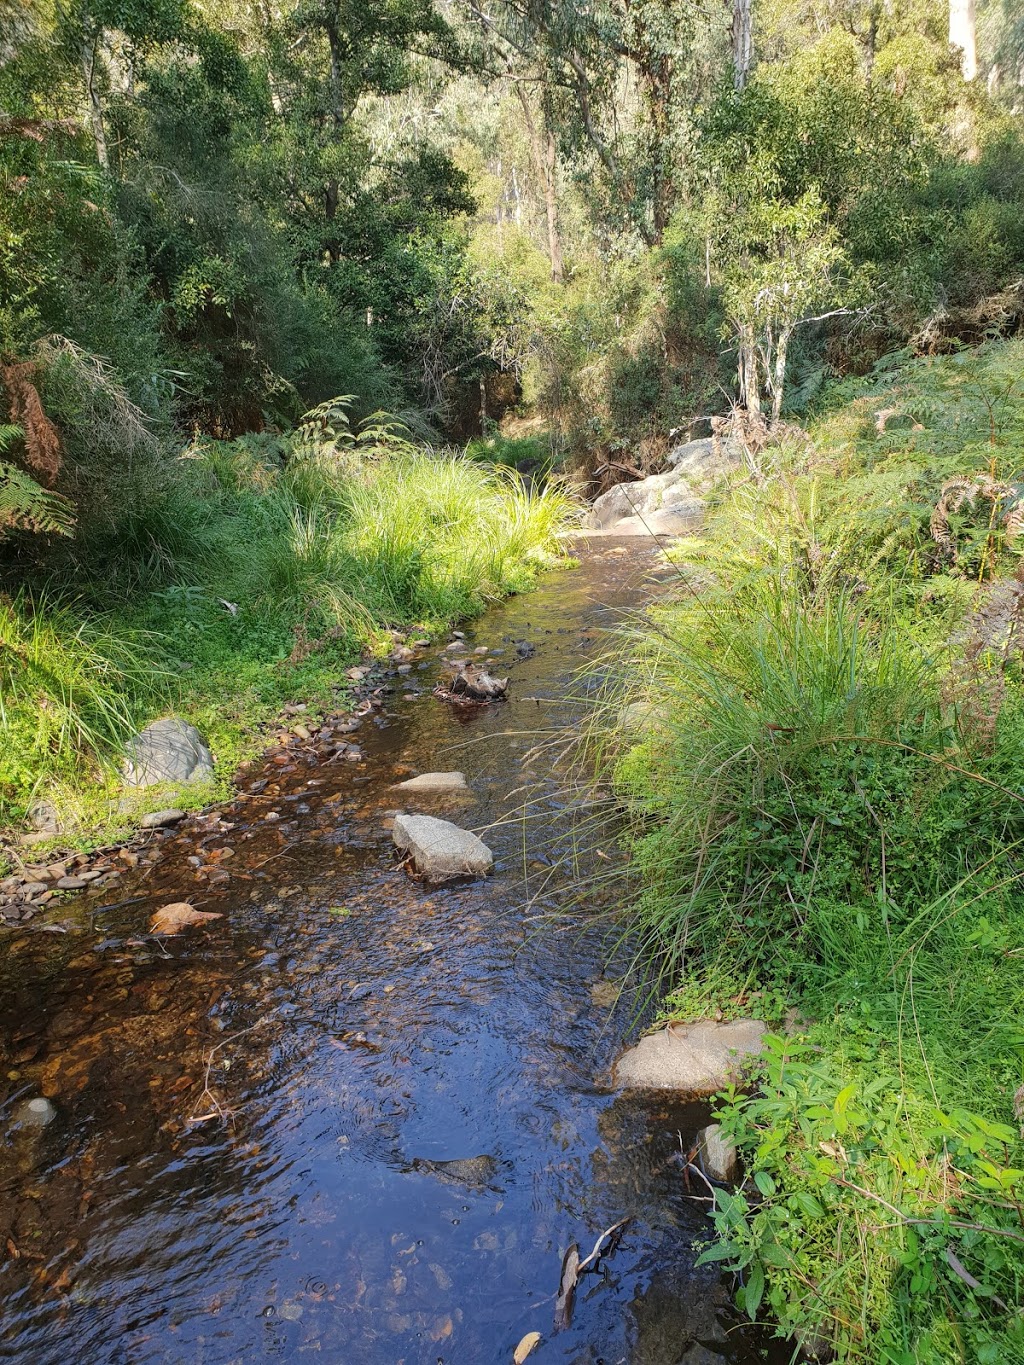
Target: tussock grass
70,689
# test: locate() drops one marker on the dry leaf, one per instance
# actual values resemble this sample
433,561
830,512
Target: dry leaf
526,1347
171,919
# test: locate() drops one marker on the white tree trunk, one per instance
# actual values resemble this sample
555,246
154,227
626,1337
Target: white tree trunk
963,34
90,59
779,380
742,42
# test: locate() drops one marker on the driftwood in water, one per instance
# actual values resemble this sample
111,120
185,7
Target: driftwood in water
476,684
573,1269
567,1288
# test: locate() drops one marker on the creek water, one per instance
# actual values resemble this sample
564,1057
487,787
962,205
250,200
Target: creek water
249,1158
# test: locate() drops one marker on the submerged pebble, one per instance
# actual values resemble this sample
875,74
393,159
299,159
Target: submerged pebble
35,1113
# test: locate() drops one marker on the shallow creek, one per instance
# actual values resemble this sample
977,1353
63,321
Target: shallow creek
339,1034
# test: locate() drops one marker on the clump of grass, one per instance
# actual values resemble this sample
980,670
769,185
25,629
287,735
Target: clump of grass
70,692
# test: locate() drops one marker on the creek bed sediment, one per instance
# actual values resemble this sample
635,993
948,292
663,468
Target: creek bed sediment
249,1154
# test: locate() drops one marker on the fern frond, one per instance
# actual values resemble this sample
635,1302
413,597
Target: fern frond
25,506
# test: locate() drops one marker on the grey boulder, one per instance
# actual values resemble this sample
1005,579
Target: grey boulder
167,751
693,1059
440,850
670,503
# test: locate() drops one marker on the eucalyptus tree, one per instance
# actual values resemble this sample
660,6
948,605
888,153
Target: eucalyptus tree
620,82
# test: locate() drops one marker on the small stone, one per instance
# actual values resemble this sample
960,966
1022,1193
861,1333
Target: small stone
157,819
70,884
33,888
92,875
44,818
604,994
404,668
35,1113
291,1312
480,649
300,732
717,1154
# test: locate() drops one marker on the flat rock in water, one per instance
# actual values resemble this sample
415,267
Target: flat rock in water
694,1059
471,1172
477,684
169,750
434,782
441,850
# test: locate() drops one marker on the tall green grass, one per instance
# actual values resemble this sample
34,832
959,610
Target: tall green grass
271,566
71,690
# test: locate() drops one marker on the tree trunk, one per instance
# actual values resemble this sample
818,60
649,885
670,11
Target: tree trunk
551,207
742,42
545,167
779,380
89,58
963,34
748,381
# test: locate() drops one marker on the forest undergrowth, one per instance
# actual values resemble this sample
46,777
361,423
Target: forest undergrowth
826,828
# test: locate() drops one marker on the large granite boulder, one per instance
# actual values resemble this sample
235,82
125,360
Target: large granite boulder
167,751
670,503
693,1059
440,850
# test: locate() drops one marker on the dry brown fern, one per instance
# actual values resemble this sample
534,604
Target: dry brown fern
989,638
964,491
42,440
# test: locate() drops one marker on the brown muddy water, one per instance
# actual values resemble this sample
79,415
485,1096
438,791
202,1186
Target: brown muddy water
246,1161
